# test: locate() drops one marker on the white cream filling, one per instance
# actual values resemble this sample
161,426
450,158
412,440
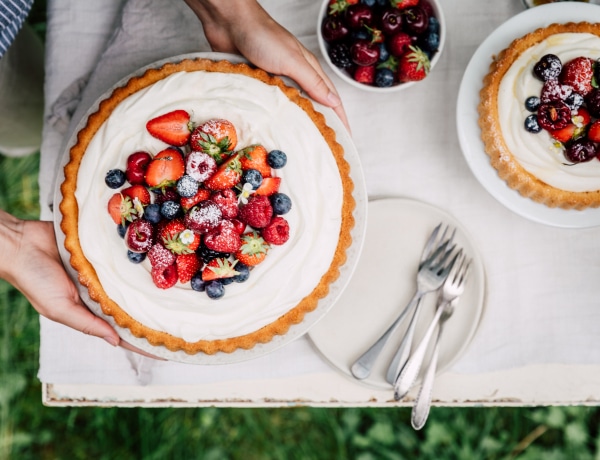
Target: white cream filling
538,153
262,114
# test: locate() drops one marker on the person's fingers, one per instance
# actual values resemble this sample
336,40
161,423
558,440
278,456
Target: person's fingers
81,319
139,351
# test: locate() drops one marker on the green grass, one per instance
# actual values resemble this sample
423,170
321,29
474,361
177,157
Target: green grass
28,430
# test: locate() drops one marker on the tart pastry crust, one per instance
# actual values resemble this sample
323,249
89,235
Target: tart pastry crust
502,159
86,273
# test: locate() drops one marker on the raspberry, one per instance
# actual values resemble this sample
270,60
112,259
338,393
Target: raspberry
554,91
257,213
160,257
226,200
203,217
277,232
165,278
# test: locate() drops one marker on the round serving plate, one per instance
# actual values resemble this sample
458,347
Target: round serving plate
385,281
360,215
467,116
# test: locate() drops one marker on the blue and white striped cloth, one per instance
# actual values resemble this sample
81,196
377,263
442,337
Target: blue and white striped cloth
12,16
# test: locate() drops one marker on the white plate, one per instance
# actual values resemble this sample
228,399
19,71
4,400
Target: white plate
296,331
467,116
383,284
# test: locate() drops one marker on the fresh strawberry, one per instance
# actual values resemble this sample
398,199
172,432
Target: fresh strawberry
187,266
160,257
277,232
255,157
257,212
413,66
165,169
173,127
269,186
401,4
594,131
578,73
398,44
564,134
365,74
227,202
253,250
337,6
122,209
227,176
224,238
219,268
201,195
164,277
215,137
137,191
177,238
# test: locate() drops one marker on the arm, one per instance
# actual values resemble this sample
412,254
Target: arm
244,27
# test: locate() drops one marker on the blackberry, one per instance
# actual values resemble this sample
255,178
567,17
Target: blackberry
208,254
339,53
548,67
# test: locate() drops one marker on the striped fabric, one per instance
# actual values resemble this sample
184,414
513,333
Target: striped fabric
12,15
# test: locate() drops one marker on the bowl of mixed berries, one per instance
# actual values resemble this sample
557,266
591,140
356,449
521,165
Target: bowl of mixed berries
381,45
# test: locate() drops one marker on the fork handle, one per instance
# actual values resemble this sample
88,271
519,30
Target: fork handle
410,372
401,356
420,410
361,369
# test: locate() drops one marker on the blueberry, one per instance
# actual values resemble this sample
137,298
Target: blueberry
360,34
574,101
382,2
114,178
136,257
226,281
384,54
197,283
152,213
187,186
252,177
434,25
122,228
431,41
531,124
276,159
281,203
214,289
369,3
170,209
532,103
384,78
244,273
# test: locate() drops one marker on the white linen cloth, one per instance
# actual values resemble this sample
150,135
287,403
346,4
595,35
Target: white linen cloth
542,282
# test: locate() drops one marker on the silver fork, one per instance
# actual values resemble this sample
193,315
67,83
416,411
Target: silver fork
452,288
429,278
401,357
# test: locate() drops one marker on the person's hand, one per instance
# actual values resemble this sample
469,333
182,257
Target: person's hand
31,263
244,27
